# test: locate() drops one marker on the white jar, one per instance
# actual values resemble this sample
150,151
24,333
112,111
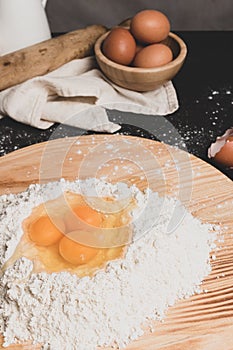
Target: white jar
22,23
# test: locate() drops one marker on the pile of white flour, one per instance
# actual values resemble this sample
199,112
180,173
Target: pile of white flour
62,311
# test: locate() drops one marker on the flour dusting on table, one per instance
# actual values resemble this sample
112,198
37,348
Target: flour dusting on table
62,311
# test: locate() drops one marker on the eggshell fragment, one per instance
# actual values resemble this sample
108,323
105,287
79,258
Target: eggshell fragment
221,151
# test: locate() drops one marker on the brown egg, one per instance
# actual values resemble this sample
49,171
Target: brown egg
150,26
119,46
152,56
225,155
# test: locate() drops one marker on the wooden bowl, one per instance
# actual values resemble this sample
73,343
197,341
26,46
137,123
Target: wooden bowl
142,79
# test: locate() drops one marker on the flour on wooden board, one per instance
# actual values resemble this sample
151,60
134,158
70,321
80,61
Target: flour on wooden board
62,311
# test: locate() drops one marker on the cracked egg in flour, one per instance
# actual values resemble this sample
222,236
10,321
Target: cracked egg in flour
75,233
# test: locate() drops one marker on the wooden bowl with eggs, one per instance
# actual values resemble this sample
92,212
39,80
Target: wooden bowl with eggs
142,79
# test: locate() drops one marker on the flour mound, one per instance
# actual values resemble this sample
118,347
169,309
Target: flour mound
62,311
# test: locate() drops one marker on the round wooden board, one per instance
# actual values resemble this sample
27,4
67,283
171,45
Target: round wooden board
204,321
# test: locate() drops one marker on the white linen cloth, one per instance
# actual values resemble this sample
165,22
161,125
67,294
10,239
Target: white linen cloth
78,94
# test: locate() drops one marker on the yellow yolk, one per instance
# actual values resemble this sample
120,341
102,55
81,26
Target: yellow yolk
76,253
85,214
44,232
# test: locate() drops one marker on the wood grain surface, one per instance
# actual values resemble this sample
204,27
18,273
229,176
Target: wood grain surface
202,322
47,56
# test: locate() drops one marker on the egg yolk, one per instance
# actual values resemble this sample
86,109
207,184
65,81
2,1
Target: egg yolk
44,232
82,213
76,253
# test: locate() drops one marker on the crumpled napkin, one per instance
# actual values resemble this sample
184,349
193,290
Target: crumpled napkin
78,94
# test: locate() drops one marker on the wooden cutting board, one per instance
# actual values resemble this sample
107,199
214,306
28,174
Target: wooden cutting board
202,322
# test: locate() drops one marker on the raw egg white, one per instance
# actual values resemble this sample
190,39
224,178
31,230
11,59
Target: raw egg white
150,26
119,46
152,56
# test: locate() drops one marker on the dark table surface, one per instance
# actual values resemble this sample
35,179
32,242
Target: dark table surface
205,93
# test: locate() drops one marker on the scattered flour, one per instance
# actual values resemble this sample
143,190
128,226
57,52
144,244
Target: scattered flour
62,311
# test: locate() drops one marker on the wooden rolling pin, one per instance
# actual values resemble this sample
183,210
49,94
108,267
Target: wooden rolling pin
48,55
